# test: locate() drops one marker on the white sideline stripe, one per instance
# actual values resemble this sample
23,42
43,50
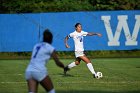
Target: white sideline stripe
108,60
13,82
123,82
12,74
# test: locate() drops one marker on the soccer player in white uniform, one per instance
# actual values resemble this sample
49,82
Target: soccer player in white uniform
36,71
77,36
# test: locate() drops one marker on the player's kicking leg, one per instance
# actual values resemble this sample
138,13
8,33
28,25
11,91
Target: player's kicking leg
89,65
71,65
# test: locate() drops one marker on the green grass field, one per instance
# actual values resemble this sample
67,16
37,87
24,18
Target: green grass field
120,75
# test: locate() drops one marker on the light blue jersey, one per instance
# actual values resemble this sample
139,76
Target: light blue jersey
40,56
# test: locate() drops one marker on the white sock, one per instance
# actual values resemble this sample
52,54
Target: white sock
52,91
90,67
71,65
31,92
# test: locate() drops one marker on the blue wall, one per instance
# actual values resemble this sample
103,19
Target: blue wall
19,32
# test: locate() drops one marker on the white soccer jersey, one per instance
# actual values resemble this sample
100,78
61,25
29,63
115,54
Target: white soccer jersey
40,56
78,39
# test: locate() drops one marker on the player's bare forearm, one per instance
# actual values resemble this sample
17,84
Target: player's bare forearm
91,34
66,42
57,61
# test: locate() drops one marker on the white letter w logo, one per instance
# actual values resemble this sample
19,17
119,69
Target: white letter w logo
122,24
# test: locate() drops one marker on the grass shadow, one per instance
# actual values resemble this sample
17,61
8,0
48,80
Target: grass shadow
67,75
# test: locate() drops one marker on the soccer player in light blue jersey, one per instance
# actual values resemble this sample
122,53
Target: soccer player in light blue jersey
77,36
36,71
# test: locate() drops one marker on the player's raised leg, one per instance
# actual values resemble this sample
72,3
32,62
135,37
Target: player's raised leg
71,65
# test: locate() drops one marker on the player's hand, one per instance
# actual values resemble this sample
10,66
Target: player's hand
67,46
99,35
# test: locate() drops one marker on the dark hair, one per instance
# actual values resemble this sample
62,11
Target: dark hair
47,36
77,24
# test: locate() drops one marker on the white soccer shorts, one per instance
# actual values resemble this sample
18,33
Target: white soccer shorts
79,53
39,76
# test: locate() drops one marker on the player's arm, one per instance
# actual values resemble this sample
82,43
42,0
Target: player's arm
91,34
57,61
66,42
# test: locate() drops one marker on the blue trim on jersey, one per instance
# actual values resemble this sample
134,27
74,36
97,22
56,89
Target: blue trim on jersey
69,36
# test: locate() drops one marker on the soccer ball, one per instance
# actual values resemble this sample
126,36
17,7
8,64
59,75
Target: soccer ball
99,75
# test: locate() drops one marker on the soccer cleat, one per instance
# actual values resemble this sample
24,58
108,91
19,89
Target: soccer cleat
66,69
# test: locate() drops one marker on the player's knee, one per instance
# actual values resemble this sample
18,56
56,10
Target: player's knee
77,63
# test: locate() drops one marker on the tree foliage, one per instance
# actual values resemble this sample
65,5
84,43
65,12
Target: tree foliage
35,6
